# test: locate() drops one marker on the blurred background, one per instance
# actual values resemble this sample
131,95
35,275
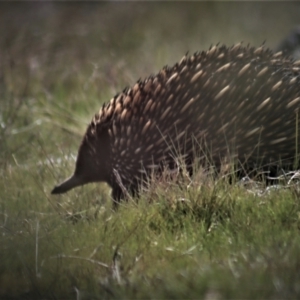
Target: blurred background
60,61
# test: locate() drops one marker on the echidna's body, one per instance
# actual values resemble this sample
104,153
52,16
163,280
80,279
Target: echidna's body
237,100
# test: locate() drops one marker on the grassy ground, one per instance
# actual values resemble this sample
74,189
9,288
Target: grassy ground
203,239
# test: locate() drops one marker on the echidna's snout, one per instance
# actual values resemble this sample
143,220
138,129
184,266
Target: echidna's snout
67,185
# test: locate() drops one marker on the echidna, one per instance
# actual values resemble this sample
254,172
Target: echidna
238,101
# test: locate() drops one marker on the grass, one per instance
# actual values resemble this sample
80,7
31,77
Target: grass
216,240
204,238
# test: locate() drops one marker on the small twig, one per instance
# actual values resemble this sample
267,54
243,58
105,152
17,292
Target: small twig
119,181
37,248
93,261
116,269
77,293
296,175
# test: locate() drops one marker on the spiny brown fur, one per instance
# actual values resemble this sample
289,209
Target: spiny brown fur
240,100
